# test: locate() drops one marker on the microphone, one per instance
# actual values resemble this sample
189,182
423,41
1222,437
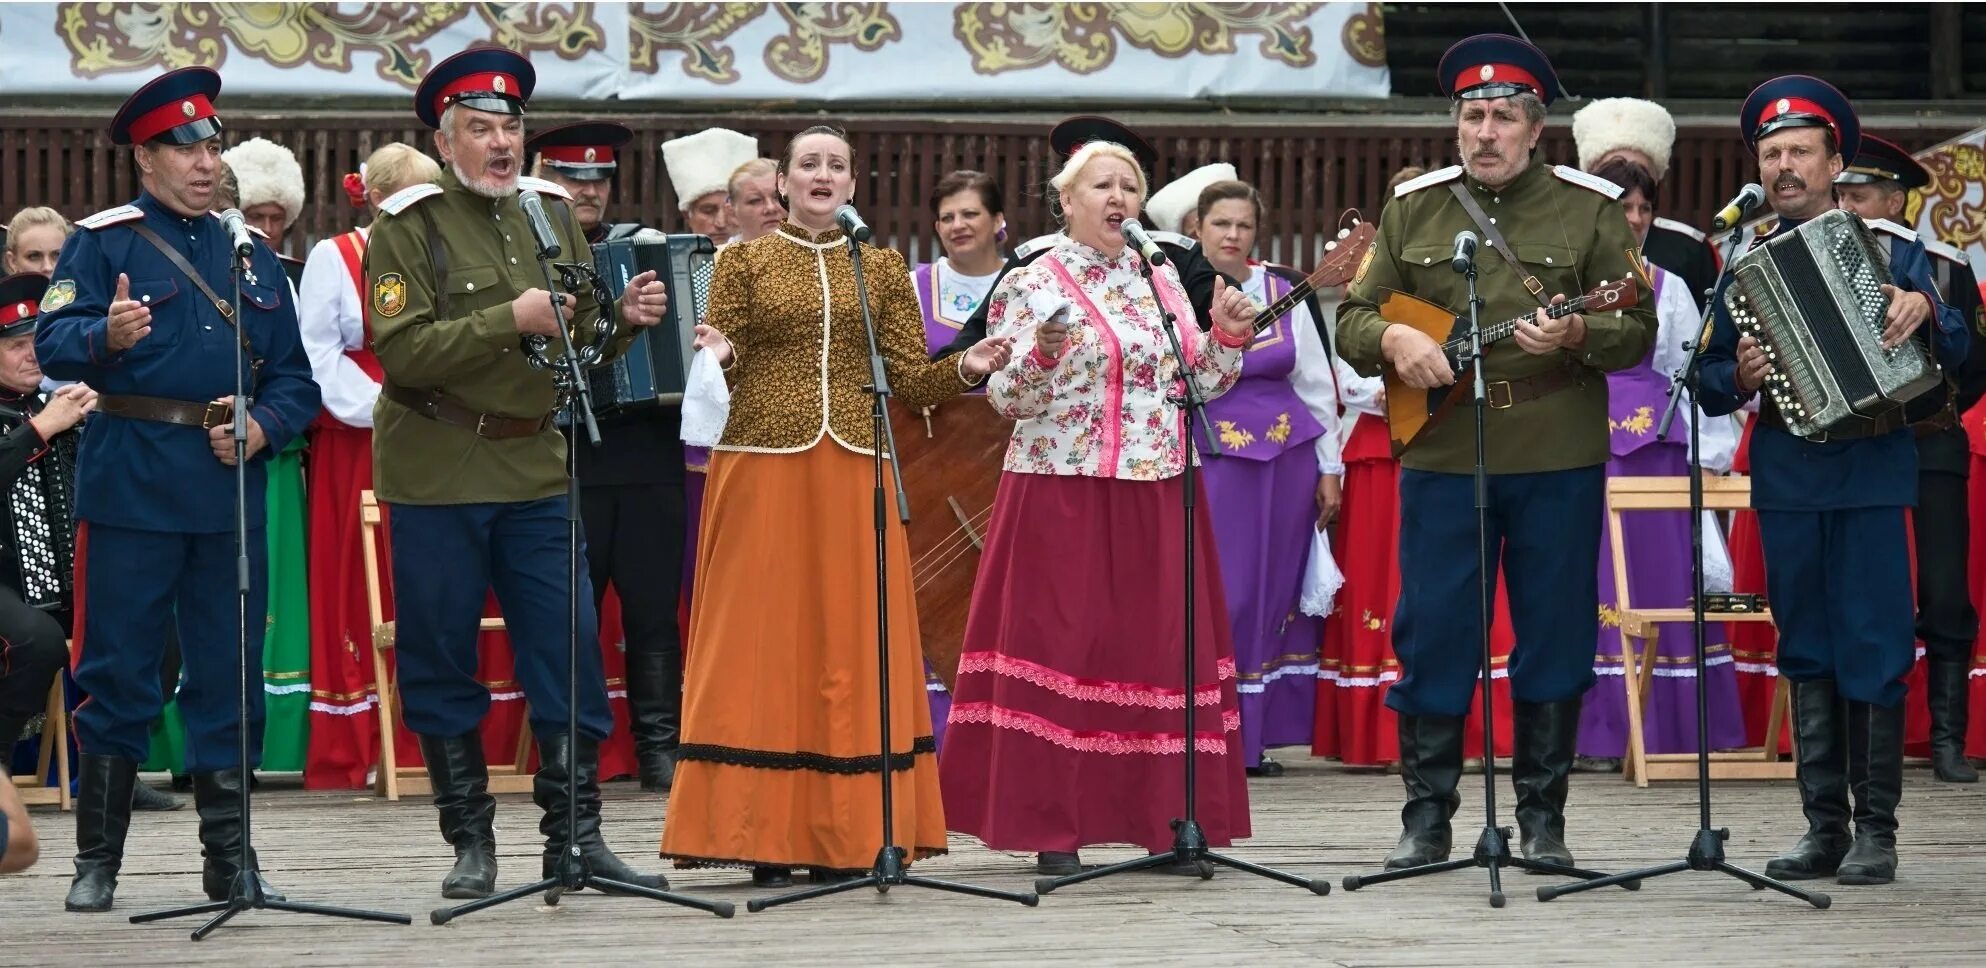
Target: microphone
851,223
1465,251
1749,199
1134,233
533,205
237,228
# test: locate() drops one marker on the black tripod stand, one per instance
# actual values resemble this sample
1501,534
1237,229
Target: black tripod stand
1706,850
889,868
247,892
571,873
1189,842
1493,845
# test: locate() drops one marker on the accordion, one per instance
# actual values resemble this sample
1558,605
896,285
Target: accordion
656,366
41,512
1813,299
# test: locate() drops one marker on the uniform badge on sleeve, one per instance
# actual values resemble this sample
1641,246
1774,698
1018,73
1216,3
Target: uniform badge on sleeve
61,294
389,295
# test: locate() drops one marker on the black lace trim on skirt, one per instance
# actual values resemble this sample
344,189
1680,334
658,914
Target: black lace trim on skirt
816,762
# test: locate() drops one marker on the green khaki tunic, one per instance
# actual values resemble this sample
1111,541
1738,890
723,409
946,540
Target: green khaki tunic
475,355
1572,237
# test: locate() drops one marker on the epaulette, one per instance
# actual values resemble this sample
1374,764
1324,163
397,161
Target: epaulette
1584,180
1175,239
1037,245
1432,178
526,183
1885,225
1681,228
398,201
111,216
1948,253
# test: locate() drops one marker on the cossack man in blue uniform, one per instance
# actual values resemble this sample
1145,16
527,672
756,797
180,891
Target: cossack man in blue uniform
1831,514
142,308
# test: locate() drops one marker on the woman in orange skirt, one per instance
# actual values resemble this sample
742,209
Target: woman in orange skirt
781,742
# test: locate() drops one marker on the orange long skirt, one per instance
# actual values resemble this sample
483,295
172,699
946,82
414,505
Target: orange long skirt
781,756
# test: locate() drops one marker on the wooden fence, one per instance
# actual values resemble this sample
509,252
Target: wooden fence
1308,173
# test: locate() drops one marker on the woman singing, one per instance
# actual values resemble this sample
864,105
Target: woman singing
780,740
1066,726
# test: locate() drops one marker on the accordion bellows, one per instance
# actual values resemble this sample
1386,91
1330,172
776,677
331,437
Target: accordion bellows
1813,299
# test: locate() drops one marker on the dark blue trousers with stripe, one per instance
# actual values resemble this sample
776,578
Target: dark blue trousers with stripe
1838,584
1547,527
446,558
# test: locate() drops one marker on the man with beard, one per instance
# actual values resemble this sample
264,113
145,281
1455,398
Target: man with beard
1875,185
1831,514
700,167
631,487
1549,233
135,311
472,468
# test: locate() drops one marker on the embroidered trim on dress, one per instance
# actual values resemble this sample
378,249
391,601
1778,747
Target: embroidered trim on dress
1109,742
816,762
687,862
1096,690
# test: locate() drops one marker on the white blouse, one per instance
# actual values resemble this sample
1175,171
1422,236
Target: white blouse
331,316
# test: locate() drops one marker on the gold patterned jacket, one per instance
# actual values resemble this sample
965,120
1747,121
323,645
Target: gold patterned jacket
800,359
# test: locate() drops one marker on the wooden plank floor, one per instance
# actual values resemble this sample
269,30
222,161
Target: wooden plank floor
1319,820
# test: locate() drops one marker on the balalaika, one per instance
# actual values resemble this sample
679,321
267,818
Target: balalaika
1813,299
656,366
41,516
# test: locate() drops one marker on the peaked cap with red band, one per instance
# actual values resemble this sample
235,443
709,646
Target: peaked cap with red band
1800,101
1497,65
20,303
585,151
489,79
177,107
1071,134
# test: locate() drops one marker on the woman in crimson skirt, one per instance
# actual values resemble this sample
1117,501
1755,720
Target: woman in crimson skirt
1067,726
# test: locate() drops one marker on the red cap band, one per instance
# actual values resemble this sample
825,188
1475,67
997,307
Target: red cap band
1482,74
14,312
578,154
1795,105
166,117
500,84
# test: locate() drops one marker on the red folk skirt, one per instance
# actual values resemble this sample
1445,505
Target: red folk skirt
1068,726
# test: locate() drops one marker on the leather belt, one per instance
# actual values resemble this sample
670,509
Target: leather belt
1504,394
1890,421
436,405
1937,423
205,416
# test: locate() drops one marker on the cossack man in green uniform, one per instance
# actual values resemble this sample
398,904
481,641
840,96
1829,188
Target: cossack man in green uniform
1546,428
471,467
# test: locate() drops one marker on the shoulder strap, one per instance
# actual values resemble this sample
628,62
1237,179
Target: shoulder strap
1498,242
438,258
220,305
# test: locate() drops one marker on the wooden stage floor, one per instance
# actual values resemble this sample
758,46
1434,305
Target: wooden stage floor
1319,821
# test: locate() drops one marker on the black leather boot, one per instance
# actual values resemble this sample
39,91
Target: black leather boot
1820,727
1875,775
655,712
103,816
461,782
1430,766
1946,697
555,757
143,797
1543,738
217,798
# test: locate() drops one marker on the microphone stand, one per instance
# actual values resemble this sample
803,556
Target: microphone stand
889,869
1189,842
1706,850
1493,845
247,891
571,873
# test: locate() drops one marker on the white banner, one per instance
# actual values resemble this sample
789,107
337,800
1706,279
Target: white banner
1145,52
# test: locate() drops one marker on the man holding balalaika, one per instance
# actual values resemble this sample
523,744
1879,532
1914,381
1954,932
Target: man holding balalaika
1831,489
631,486
37,468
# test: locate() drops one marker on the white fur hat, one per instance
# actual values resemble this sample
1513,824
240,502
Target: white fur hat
267,172
1624,122
1168,206
702,163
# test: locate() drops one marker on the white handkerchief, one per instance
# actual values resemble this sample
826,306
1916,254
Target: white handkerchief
706,401
1321,578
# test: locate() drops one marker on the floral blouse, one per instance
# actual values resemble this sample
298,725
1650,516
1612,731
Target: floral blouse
1106,407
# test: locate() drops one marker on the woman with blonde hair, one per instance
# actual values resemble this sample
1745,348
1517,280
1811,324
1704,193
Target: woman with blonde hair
34,241
1066,726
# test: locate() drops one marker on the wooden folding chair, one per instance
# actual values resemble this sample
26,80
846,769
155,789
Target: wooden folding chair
392,779
35,790
1639,627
